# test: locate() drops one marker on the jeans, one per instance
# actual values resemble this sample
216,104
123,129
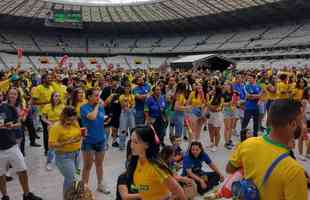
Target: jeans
50,156
68,164
248,114
122,140
179,123
159,126
139,117
127,120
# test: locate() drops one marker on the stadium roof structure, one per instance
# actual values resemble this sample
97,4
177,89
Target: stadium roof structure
213,61
133,16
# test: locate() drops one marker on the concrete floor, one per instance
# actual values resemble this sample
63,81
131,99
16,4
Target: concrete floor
49,184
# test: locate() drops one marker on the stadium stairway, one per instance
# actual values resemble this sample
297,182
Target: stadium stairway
31,62
3,63
289,34
178,44
226,41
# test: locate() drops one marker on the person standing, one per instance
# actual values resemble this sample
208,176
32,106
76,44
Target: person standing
41,96
155,106
51,114
10,153
197,102
140,92
65,140
255,155
251,107
127,118
93,145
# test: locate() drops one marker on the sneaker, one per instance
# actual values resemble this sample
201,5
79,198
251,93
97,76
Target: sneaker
35,144
5,197
213,149
31,196
303,158
228,146
210,146
115,144
49,167
230,142
8,178
103,189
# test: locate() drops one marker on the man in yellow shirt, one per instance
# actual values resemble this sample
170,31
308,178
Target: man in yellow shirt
41,96
255,155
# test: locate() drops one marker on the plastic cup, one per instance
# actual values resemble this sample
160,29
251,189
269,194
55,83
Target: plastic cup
83,132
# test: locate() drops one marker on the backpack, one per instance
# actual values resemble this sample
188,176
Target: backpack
245,189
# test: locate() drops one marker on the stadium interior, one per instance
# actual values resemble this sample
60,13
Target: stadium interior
152,33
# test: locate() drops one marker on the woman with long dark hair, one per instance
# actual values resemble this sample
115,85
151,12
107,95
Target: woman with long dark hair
152,179
215,102
179,107
77,100
228,114
192,168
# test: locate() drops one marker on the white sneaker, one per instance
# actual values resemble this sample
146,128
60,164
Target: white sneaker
103,189
213,149
210,146
303,158
49,167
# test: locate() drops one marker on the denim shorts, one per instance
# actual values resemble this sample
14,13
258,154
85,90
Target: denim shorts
228,113
97,147
197,112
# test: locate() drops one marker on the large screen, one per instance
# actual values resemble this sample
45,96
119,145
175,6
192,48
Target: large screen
64,19
62,16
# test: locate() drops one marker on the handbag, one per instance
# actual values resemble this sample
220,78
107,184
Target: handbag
245,189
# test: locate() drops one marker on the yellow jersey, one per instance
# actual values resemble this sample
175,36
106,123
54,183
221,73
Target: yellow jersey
265,94
129,99
270,95
62,90
5,85
149,181
196,101
287,181
298,94
181,100
59,133
42,94
282,90
53,114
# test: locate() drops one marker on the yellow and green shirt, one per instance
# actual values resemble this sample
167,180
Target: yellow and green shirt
287,181
149,181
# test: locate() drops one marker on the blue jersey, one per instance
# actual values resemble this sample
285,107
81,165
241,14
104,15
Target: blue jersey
141,90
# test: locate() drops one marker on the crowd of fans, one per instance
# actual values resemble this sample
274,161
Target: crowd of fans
154,114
